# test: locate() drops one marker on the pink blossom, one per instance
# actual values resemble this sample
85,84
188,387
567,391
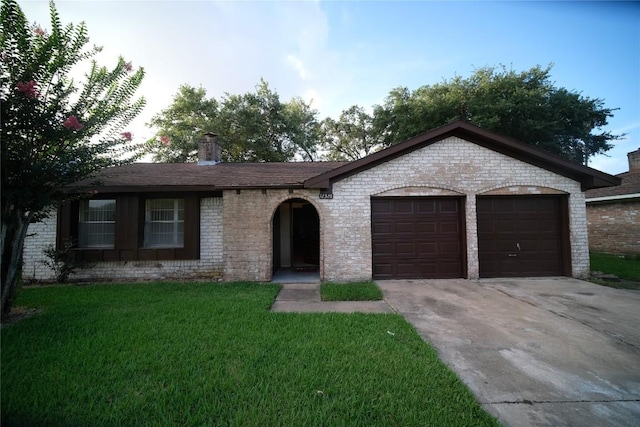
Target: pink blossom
164,140
72,123
128,66
28,88
126,135
39,31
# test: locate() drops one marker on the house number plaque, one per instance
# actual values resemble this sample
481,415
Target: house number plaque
326,195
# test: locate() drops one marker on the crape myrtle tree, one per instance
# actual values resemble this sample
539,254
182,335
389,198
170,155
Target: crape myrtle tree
55,131
526,106
252,127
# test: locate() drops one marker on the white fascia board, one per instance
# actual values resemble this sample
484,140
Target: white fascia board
614,198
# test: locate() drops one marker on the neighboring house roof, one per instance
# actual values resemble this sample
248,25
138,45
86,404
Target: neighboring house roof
630,188
588,177
223,176
163,177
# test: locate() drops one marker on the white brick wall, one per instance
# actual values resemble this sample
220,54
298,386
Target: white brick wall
448,167
39,236
209,266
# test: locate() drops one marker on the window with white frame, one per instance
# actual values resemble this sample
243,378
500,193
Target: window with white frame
97,223
164,223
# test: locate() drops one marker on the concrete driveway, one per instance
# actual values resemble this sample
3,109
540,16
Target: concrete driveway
556,351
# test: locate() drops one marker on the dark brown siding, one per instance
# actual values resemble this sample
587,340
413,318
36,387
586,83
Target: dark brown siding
520,236
417,237
129,230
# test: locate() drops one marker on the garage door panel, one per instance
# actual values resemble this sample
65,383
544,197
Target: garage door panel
426,207
404,227
382,269
427,248
520,236
381,207
405,268
452,227
449,206
405,249
420,237
424,227
383,248
381,228
450,248
403,207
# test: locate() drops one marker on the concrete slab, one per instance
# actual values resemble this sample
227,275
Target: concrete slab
555,351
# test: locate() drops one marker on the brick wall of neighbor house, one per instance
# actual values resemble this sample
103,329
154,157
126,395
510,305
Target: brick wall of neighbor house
448,167
614,227
209,266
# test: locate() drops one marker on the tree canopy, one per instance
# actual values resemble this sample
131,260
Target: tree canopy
526,106
257,126
350,137
252,127
55,131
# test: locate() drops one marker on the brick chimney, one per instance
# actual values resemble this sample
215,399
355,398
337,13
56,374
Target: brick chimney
634,160
209,150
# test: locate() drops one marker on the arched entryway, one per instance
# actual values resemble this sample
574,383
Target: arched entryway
296,240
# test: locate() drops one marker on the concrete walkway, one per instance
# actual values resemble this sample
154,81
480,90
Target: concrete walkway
305,298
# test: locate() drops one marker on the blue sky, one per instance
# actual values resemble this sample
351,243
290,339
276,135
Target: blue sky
337,54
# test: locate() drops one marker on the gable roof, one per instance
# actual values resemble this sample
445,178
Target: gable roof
163,177
588,177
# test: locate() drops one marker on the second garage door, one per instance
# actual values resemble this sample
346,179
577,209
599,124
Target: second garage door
417,237
520,236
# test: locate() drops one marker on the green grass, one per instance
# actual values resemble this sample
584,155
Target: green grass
353,291
213,354
624,267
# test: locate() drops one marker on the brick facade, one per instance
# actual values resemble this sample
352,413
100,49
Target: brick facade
237,234
449,167
614,227
209,266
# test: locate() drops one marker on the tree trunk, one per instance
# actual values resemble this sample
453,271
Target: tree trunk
14,230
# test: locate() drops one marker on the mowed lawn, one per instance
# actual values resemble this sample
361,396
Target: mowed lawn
213,354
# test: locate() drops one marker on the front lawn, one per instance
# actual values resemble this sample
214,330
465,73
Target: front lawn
212,354
353,291
626,268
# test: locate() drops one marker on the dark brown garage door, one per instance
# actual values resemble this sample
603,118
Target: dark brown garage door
520,236
417,237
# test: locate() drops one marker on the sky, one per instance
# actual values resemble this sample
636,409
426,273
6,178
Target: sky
335,54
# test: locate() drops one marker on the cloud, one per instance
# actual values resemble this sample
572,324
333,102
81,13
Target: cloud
298,65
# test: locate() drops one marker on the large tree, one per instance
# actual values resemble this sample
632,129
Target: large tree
55,131
350,137
252,127
523,105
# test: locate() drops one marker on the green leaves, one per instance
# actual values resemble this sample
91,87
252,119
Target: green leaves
525,106
51,121
252,127
350,137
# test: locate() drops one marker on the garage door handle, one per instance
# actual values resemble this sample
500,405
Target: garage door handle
513,254
518,246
